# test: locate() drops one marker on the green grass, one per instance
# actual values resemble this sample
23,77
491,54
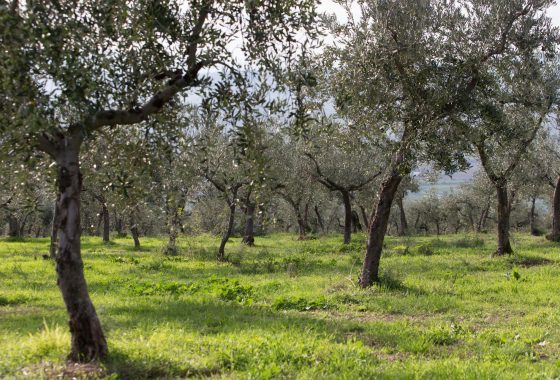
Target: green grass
291,309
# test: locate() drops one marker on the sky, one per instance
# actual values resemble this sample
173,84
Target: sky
329,6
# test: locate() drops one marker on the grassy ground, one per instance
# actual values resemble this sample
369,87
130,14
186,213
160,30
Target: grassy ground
291,309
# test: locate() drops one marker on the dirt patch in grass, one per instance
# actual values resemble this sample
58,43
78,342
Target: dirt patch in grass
69,370
532,261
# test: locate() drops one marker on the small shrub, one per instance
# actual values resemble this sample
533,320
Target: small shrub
233,291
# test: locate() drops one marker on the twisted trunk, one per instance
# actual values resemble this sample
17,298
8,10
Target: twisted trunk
88,340
379,221
504,209
555,233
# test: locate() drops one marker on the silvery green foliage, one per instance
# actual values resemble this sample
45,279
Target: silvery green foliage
406,69
98,63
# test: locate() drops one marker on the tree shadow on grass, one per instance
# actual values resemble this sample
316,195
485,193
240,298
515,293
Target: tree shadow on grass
128,367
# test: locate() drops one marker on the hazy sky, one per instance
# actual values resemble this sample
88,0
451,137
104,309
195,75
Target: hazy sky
554,12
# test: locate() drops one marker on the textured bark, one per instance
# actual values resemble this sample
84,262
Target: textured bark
555,233
504,209
135,233
364,216
54,230
301,226
319,218
174,227
403,224
88,340
227,232
356,225
347,216
378,227
106,224
249,235
532,217
13,226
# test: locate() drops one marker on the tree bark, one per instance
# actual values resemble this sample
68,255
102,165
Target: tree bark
228,231
555,233
106,224
403,224
532,215
88,340
134,231
504,209
301,226
249,236
13,226
319,218
54,230
347,217
364,216
378,225
356,224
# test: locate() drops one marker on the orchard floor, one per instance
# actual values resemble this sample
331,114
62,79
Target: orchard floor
291,309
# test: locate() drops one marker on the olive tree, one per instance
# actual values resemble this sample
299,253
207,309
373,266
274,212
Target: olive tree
69,69
406,68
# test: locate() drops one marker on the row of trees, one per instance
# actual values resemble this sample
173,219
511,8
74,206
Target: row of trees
162,105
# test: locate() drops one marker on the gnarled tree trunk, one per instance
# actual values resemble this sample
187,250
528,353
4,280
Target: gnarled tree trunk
378,223
88,340
504,209
555,233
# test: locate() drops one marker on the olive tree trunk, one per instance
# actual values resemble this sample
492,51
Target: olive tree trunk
106,224
403,224
227,232
54,231
134,232
249,235
347,216
504,210
88,340
555,233
13,226
532,217
378,224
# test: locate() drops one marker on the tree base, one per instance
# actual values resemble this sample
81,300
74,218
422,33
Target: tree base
249,240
